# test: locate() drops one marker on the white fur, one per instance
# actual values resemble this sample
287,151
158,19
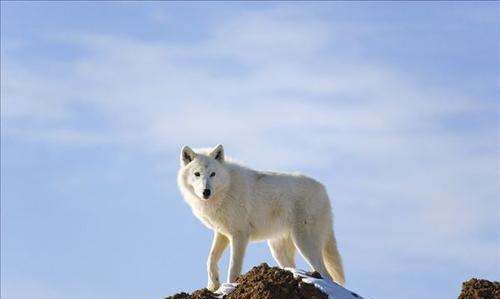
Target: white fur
291,211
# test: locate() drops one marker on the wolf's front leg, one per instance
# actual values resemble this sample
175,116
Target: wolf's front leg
218,245
239,244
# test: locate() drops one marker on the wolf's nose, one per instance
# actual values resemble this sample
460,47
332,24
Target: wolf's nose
206,193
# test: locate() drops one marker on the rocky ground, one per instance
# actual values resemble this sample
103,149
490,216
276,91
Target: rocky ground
264,282
480,289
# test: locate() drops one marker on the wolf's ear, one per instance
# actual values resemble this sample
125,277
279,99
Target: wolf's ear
218,153
187,155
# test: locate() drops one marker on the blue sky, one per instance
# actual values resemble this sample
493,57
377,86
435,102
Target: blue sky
393,106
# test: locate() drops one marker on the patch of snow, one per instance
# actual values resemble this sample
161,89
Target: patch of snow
226,288
332,289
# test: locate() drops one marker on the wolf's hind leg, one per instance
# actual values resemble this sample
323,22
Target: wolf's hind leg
283,251
311,251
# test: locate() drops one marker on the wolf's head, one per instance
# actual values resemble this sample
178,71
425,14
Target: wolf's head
203,172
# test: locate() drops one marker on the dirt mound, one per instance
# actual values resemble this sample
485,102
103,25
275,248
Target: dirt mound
264,282
480,289
199,294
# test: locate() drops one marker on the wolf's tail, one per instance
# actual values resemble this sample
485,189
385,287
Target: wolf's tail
333,260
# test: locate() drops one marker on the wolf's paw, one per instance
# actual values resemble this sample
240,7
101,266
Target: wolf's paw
213,286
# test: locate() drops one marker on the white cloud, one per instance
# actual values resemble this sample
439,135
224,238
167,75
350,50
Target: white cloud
26,95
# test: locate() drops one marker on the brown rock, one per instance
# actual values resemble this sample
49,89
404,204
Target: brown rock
480,289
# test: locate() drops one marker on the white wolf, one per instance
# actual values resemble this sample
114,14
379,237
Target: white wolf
241,205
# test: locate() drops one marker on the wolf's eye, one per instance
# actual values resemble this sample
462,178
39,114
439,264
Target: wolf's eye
197,173
212,174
